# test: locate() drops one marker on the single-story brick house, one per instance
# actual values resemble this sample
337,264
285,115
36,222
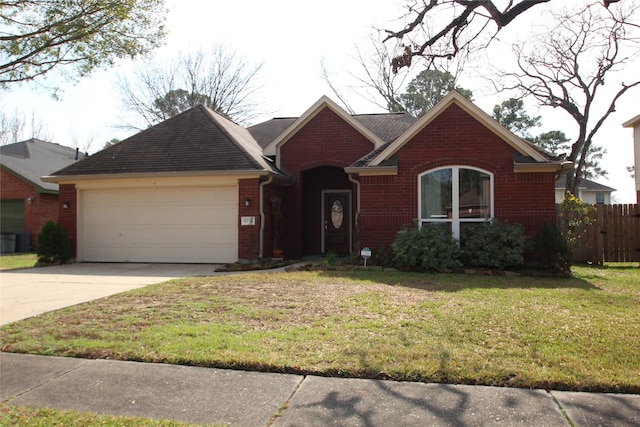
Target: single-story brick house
27,202
589,192
199,188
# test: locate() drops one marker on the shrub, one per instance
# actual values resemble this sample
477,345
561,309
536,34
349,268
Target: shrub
551,248
494,244
574,219
53,244
429,248
330,259
383,256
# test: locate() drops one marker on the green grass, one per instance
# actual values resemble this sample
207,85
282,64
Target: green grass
28,417
11,261
579,333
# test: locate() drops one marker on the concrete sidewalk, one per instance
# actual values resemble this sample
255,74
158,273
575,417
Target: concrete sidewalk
239,398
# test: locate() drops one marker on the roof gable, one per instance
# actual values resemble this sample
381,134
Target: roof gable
324,102
584,185
633,122
197,140
34,158
456,98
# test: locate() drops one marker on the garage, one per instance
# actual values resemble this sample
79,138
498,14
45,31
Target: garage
158,224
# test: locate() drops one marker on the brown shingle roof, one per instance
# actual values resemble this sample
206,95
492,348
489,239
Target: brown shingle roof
386,126
197,140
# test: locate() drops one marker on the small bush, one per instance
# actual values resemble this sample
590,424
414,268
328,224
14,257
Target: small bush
53,244
382,256
574,219
429,248
551,248
330,259
493,244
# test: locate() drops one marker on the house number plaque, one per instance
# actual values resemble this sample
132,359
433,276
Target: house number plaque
248,220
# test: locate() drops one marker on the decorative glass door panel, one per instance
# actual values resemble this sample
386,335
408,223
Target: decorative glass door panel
336,219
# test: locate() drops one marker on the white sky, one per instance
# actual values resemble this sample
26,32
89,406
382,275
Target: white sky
291,37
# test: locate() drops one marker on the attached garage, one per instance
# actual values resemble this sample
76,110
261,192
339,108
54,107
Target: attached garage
187,190
158,224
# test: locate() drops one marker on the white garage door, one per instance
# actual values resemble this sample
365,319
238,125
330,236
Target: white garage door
184,225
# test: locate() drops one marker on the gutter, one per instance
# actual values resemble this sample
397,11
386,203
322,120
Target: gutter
262,185
357,216
372,170
73,178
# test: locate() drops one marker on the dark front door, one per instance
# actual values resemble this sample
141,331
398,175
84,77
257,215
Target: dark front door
337,222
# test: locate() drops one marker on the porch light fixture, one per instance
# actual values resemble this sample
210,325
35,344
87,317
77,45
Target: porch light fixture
29,200
65,205
247,202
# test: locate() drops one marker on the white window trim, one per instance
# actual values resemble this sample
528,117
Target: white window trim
455,190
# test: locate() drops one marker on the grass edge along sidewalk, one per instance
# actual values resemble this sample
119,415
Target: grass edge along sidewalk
577,334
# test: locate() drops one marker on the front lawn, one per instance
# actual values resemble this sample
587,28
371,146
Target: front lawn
23,416
11,261
580,333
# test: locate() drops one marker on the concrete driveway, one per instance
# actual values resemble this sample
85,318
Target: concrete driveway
29,292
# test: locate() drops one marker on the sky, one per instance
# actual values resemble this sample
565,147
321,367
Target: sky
291,38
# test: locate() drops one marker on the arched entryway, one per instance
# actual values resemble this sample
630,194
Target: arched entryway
326,211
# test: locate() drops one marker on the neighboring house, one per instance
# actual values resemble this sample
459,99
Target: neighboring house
27,202
635,125
199,188
589,192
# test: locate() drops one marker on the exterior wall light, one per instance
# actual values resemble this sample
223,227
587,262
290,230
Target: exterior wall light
66,205
29,200
247,202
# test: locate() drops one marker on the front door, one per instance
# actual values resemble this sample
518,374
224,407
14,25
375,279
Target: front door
337,222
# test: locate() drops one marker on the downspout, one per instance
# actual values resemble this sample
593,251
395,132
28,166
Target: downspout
262,184
357,225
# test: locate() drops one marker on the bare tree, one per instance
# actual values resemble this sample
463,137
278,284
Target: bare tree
565,67
437,29
17,126
378,84
218,78
374,80
377,74
443,28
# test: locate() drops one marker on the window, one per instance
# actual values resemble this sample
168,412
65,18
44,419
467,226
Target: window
455,197
599,198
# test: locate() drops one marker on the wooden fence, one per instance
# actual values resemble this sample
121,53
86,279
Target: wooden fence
614,236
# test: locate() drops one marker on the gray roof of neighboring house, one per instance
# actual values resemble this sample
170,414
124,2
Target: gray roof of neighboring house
386,126
197,140
35,158
585,184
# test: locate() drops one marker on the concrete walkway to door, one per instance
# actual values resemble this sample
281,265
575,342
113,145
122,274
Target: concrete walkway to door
28,292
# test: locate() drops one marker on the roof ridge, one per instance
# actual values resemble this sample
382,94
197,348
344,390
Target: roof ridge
8,150
218,119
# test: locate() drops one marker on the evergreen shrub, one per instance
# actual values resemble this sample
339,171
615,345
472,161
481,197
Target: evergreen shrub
428,248
54,246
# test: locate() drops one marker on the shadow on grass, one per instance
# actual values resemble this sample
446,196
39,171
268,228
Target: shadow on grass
455,282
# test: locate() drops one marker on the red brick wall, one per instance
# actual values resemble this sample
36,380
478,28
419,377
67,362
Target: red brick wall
454,138
272,190
326,140
43,208
249,235
68,217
